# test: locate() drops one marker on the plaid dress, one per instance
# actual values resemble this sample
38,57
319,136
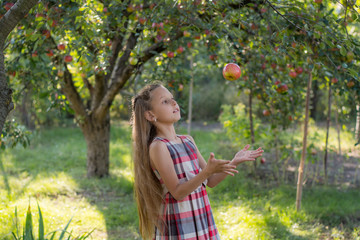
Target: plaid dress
190,218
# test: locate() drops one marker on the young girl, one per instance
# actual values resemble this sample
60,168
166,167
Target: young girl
171,174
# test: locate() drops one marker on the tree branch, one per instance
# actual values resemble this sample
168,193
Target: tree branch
72,95
13,17
124,70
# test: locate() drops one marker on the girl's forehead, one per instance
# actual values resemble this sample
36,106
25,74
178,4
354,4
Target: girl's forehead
160,92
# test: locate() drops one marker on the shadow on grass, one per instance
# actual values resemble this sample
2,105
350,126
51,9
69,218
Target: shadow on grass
63,152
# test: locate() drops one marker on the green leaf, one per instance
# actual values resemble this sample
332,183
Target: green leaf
41,224
64,230
343,51
28,226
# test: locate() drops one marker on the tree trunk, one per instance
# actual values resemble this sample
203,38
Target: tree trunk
357,126
303,153
338,129
97,137
251,124
327,132
314,100
6,104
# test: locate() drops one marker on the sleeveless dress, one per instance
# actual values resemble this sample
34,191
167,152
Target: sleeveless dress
190,218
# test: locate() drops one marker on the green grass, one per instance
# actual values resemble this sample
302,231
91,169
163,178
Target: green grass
52,171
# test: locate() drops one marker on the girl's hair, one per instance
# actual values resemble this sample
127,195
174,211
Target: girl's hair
148,189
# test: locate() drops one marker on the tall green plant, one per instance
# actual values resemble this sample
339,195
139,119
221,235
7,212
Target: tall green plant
28,230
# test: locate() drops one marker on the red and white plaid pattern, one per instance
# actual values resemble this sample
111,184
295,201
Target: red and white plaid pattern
190,218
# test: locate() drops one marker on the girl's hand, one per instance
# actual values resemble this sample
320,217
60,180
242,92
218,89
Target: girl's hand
246,155
219,166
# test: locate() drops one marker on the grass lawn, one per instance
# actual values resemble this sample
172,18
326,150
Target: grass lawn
52,172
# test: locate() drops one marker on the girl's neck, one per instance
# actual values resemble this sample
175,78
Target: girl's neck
167,132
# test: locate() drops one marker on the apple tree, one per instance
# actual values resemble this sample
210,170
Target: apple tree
90,50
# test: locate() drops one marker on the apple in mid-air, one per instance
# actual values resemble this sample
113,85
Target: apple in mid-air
231,71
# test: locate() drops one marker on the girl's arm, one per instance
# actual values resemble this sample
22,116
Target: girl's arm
162,162
240,157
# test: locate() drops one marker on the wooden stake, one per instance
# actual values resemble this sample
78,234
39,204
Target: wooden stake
303,154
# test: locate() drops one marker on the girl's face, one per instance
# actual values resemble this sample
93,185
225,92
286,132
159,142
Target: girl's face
164,107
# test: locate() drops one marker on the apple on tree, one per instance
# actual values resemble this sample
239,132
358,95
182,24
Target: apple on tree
231,71
266,113
334,80
292,74
68,58
180,49
61,46
170,54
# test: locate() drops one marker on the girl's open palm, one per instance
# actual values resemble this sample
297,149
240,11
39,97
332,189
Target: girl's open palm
220,166
247,155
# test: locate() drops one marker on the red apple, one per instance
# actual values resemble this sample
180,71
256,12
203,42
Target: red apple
34,54
263,10
262,160
189,44
318,1
334,80
266,113
351,83
197,37
231,71
46,33
291,118
277,82
263,66
68,58
105,10
282,89
180,49
213,57
273,65
293,44
7,6
299,70
50,53
292,74
170,54
61,46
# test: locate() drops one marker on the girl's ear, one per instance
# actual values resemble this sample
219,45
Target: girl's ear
150,116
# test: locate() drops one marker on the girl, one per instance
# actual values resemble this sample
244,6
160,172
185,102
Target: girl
170,173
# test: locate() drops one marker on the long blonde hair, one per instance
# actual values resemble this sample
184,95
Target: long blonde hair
147,188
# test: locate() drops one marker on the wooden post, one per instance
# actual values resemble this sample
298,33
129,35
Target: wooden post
303,154
327,132
190,97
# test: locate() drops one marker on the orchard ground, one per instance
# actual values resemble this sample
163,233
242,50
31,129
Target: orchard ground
52,171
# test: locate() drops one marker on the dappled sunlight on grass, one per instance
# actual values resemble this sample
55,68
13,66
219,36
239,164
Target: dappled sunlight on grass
241,221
